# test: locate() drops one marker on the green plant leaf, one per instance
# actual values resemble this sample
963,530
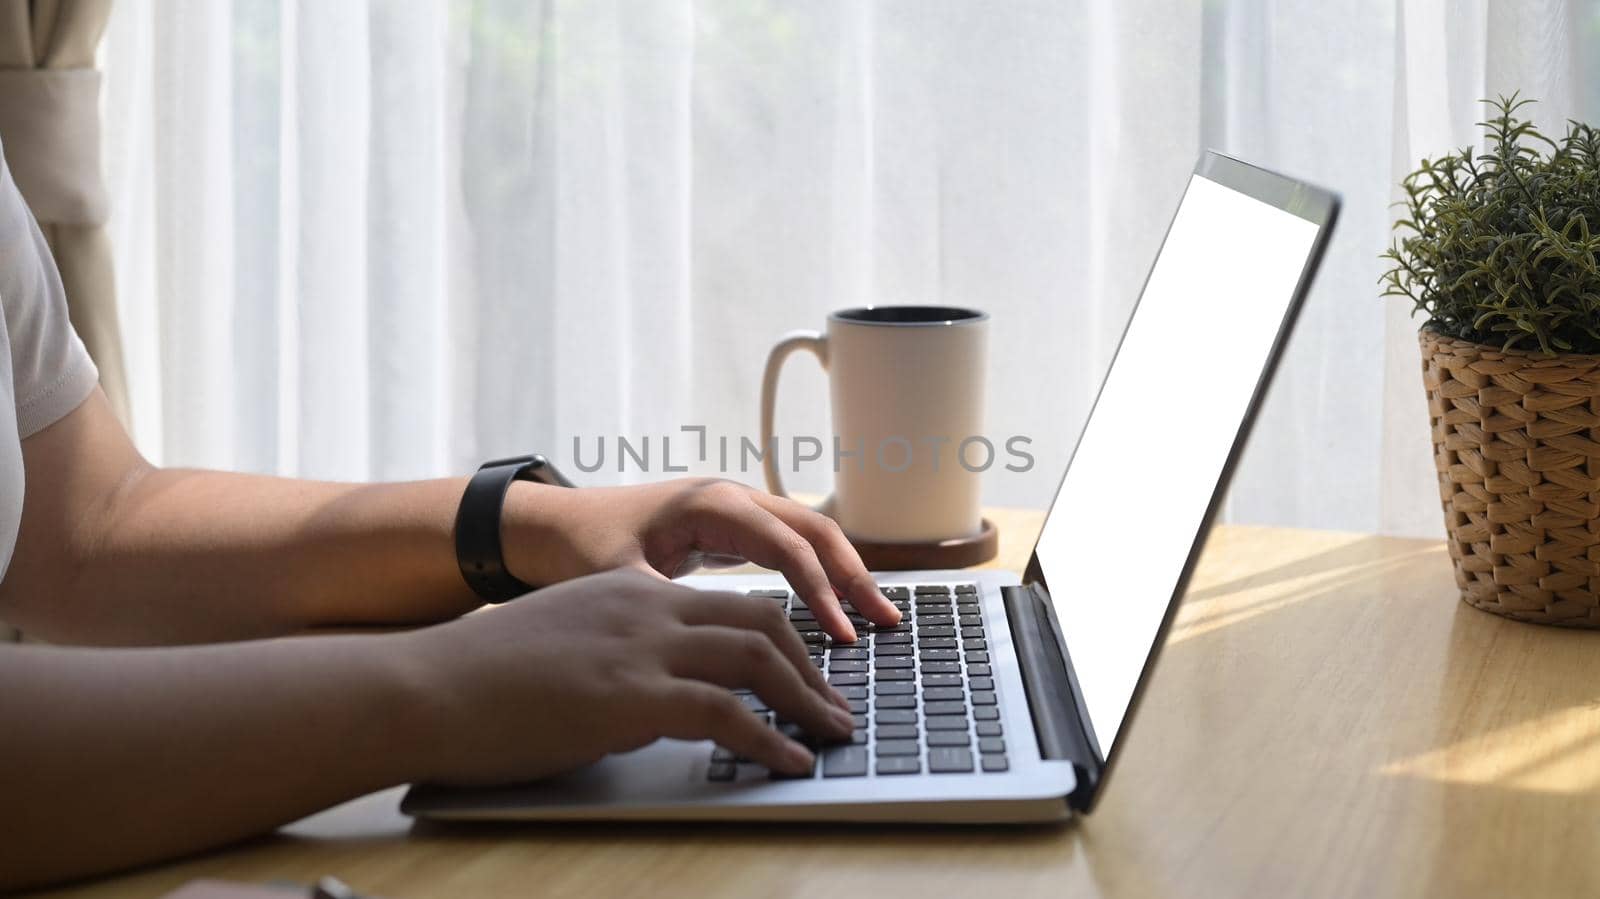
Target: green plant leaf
1496,246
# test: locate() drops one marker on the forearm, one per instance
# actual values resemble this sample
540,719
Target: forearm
184,555
114,757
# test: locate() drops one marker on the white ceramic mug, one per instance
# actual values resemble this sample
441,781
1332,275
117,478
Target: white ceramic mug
906,384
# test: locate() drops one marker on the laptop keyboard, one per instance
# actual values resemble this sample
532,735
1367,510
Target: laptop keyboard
922,692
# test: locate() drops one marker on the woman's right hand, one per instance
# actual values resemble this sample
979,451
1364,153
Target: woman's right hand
609,663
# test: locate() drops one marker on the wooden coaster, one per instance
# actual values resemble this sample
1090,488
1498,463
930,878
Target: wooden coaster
960,552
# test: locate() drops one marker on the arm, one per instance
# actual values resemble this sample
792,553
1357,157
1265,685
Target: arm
114,550
114,757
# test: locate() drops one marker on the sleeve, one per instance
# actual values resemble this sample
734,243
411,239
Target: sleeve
51,371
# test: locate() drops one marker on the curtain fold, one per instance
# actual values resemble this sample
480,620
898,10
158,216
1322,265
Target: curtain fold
49,125
433,235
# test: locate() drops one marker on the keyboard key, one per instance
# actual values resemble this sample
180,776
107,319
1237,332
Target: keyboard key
970,621
934,605
844,761
937,643
938,655
945,708
897,731
896,702
900,764
891,639
944,631
805,626
802,615
983,697
941,667
978,670
857,706
721,771
896,716
947,722
858,736
986,713
858,720
941,680
904,627
770,593
977,658
896,674
895,592
814,637
981,683
892,649
894,689
989,729
883,662
886,748
857,692
948,738
991,744
972,633
927,589
949,760
974,643
851,679
932,694
994,763
847,652
927,621
841,666
966,588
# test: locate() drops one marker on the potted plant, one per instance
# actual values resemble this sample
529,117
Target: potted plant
1501,250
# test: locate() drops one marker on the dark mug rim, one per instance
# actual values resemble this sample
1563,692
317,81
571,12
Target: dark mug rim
909,316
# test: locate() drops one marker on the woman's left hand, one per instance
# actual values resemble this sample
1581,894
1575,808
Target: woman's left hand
554,534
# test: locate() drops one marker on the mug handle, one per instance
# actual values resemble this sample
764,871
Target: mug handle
794,340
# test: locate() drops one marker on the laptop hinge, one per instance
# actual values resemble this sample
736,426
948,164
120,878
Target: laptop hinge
1054,699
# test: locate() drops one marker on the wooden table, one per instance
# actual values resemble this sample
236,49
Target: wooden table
1327,719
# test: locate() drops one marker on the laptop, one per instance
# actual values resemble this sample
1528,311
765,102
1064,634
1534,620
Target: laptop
1004,697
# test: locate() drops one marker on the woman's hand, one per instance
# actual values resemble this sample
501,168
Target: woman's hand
609,663
553,534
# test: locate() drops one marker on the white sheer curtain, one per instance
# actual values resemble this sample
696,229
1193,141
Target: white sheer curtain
382,240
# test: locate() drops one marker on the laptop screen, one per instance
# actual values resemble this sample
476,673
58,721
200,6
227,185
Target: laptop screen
1117,541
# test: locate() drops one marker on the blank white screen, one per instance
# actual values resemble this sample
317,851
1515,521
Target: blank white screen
1120,530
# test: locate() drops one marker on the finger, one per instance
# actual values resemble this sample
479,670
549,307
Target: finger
695,710
758,535
735,610
839,559
740,658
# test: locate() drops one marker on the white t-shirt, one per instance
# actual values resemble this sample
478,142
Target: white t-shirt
44,370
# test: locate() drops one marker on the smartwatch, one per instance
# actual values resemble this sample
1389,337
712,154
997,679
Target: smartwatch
478,548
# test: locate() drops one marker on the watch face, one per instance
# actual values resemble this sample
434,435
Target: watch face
534,459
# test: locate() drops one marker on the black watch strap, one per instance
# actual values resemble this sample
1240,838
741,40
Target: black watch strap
478,548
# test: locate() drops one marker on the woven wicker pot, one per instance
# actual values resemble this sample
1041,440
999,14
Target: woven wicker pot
1516,441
